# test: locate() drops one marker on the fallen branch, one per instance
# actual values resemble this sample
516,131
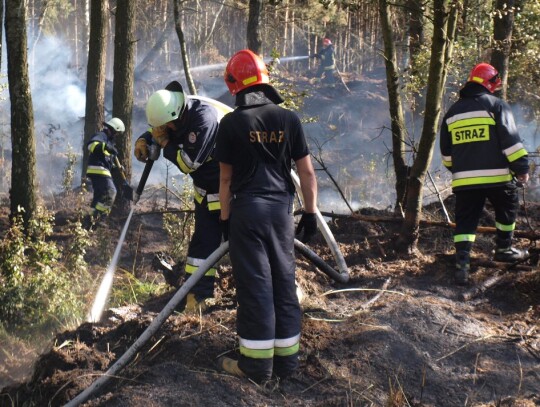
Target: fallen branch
494,281
531,235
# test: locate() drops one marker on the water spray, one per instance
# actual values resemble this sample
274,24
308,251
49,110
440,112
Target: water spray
104,289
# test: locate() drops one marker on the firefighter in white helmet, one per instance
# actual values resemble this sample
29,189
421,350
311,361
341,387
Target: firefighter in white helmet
186,131
102,159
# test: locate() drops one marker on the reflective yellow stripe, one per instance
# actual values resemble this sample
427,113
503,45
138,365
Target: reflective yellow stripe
257,353
192,269
505,228
287,346
92,146
288,351
198,197
464,238
517,155
476,121
214,206
249,80
481,180
183,166
329,67
447,163
103,208
94,169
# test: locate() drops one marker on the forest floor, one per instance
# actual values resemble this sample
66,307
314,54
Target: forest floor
399,333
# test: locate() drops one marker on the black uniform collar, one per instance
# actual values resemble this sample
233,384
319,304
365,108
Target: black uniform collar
258,95
471,90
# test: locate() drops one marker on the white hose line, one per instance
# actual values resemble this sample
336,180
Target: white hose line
328,236
152,328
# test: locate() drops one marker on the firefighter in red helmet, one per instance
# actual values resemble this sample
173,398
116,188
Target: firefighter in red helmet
481,146
327,65
256,145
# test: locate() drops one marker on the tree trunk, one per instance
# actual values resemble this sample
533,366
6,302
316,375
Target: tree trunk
399,131
254,36
95,75
124,67
1,31
503,24
442,36
183,49
23,166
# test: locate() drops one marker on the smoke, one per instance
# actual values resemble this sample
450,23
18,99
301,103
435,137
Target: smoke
58,99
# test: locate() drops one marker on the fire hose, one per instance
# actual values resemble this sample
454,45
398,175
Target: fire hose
160,319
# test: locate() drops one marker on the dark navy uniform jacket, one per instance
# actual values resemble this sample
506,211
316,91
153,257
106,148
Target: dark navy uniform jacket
259,146
101,154
479,141
191,147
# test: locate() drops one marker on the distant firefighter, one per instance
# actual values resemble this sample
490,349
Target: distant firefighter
101,160
327,65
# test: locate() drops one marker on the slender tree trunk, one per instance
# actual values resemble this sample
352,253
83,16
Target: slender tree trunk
503,24
124,67
1,31
399,132
254,34
23,166
443,35
95,75
183,49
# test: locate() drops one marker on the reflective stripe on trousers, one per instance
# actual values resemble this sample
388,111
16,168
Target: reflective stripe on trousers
205,240
261,242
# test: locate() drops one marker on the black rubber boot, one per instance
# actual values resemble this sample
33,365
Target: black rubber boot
509,254
463,267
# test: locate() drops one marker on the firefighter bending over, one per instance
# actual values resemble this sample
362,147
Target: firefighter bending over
102,159
186,131
480,144
256,145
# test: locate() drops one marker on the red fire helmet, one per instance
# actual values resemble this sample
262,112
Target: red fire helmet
487,76
245,69
326,42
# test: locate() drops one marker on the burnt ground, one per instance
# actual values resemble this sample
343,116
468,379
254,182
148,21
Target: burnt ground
399,333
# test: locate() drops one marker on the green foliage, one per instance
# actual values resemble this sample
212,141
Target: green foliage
180,227
69,171
129,289
37,290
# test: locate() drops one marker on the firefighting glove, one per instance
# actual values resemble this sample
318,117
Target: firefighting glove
224,225
308,223
160,135
141,150
127,191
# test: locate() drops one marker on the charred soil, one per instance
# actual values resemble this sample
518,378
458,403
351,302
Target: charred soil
399,333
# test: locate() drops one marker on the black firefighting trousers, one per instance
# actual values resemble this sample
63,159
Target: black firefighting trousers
104,194
261,242
205,240
469,206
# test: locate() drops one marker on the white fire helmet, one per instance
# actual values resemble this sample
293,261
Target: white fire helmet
116,124
164,106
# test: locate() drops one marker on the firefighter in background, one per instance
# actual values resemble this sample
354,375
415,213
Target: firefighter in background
186,131
102,159
256,145
327,65
480,145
